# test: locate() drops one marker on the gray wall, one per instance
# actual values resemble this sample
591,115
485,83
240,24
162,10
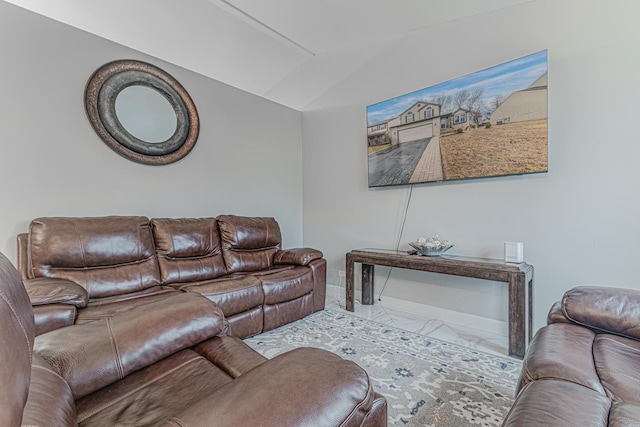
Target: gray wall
247,160
579,222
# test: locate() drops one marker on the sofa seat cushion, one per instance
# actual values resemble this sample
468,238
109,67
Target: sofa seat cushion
108,307
153,394
342,394
616,359
550,356
188,249
109,349
558,403
233,294
286,285
105,255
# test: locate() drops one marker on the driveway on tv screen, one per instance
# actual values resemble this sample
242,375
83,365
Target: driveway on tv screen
396,164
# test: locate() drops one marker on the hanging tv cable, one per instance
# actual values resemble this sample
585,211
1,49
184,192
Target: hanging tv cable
404,220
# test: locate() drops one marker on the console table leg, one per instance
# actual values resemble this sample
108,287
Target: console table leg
517,316
530,316
349,285
367,284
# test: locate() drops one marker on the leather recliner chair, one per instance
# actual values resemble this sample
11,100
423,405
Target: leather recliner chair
583,367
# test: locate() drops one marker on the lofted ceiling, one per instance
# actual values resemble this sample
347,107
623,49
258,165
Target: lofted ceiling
265,47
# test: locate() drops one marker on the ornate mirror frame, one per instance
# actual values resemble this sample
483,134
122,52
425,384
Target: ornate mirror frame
100,96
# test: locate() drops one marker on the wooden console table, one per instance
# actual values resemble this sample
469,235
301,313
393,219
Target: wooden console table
519,277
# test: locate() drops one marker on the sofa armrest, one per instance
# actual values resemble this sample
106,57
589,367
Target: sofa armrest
50,317
50,401
45,290
303,387
297,256
612,310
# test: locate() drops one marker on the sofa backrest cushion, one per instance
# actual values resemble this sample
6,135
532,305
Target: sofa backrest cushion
16,334
188,249
107,256
248,243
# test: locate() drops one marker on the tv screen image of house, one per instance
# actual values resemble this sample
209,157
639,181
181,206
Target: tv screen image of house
489,123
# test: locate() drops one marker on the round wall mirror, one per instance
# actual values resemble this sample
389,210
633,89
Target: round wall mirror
145,113
141,112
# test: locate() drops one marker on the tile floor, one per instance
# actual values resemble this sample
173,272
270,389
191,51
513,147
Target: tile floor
457,334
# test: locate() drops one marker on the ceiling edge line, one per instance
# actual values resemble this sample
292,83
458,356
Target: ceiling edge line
262,26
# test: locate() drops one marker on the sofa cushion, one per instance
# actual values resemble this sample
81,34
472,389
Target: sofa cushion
151,395
547,357
613,310
248,243
188,249
341,394
624,414
105,255
558,403
106,350
616,360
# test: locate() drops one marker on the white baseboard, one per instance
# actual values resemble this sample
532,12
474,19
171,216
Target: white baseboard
493,326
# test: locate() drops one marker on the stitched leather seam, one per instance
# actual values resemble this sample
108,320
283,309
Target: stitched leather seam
192,257
140,387
114,346
98,267
627,417
604,337
614,371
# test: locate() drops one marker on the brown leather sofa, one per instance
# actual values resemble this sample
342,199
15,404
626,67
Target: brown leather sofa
82,269
583,368
166,363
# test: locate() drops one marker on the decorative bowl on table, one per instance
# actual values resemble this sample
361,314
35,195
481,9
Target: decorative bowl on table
431,246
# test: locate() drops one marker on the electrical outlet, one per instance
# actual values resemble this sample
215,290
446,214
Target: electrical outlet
342,273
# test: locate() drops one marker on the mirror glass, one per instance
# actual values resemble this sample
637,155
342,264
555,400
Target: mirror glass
145,113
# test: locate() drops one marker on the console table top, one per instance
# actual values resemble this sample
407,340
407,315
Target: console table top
395,258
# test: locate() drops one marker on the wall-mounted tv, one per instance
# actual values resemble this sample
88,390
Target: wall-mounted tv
489,123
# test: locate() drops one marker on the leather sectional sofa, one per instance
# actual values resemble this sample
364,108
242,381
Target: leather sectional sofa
78,270
165,362
583,368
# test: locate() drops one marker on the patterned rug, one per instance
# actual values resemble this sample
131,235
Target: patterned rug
427,382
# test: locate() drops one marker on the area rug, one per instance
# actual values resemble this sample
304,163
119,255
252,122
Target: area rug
427,382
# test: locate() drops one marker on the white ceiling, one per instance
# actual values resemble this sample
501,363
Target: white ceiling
260,46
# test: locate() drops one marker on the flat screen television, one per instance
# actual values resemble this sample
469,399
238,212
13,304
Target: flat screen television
489,123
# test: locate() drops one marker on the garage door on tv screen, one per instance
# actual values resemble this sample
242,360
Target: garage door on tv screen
489,123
